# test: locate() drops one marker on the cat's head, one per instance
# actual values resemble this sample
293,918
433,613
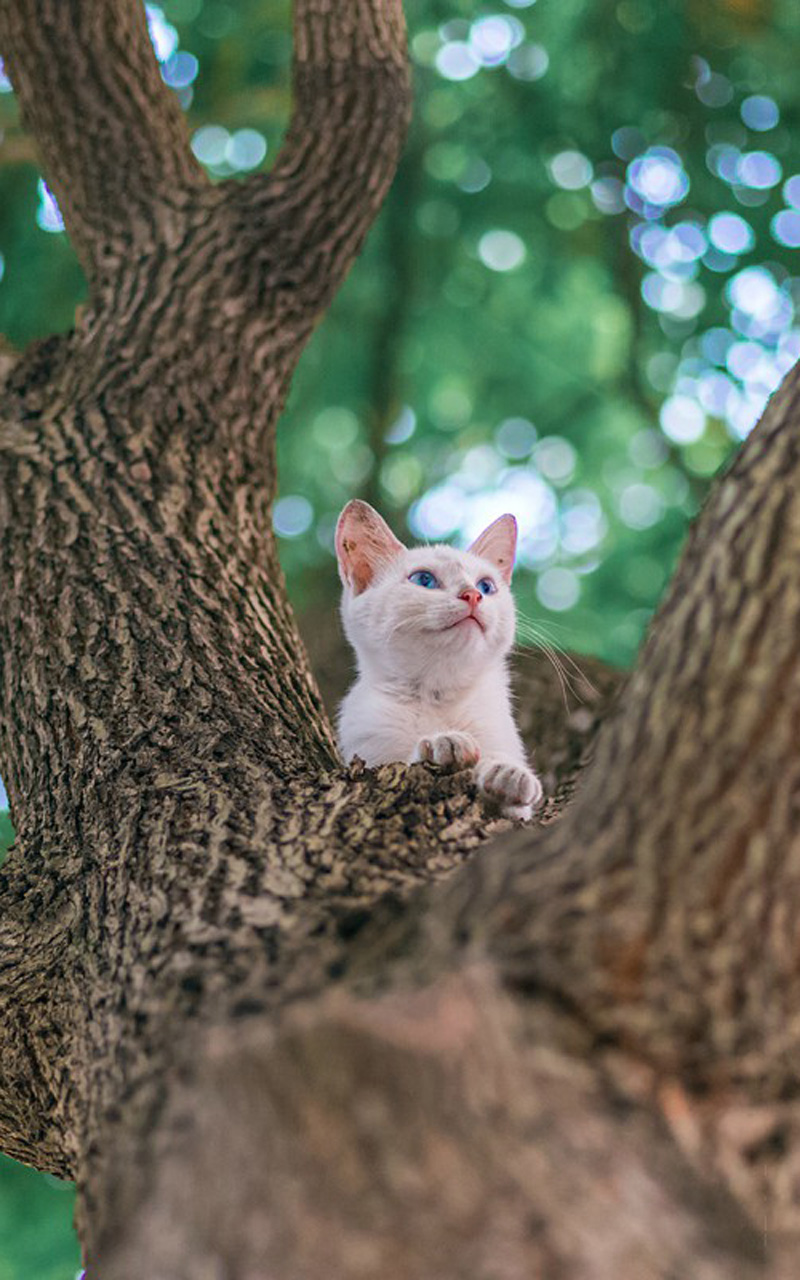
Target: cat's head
430,614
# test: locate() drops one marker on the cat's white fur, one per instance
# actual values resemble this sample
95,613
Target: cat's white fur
432,663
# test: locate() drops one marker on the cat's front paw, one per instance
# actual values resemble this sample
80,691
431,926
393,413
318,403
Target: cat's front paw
514,787
453,750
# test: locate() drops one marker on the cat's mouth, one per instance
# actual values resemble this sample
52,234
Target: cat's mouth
470,617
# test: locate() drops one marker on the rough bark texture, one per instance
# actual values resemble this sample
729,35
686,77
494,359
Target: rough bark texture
233,1005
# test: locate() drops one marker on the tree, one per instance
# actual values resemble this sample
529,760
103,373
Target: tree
236,1008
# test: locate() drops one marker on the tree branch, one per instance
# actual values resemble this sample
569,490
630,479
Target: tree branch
685,826
111,135
35,919
343,875
659,916
609,922
306,220
416,1134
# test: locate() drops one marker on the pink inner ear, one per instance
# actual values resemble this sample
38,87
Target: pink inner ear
357,569
498,543
364,541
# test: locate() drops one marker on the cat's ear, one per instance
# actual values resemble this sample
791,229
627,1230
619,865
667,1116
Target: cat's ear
364,542
498,543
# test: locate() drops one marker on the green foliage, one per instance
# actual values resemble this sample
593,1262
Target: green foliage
37,1241
36,1234
6,834
549,316
526,268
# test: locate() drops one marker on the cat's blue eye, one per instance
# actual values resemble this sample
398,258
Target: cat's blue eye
486,587
423,578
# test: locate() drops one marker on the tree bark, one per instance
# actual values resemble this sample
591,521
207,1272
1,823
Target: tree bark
277,1017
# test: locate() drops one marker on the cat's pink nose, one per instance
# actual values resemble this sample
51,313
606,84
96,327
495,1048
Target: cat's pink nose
471,596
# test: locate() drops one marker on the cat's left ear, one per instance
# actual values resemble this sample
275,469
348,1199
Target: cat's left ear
498,543
364,542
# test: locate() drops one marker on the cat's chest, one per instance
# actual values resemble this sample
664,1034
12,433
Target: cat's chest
439,715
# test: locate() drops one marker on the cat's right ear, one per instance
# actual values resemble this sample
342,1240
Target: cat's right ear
364,542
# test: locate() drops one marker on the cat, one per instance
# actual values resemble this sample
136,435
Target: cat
432,628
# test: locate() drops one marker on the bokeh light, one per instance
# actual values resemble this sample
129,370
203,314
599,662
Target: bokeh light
501,250
558,589
528,62
292,516
162,33
658,178
759,169
48,214
571,170
730,233
457,60
760,112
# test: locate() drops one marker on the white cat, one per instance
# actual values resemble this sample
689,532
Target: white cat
432,628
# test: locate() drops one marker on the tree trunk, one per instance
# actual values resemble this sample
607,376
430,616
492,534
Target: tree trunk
279,1018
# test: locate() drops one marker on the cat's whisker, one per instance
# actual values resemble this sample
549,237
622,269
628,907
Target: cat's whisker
549,625
559,666
563,674
562,680
537,633
545,628
557,661
532,635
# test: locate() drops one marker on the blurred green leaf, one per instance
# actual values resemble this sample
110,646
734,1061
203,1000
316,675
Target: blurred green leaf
6,834
37,1241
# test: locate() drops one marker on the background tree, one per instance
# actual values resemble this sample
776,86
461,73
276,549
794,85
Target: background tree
221,1009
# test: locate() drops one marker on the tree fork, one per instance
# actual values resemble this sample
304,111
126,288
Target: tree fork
222,1009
